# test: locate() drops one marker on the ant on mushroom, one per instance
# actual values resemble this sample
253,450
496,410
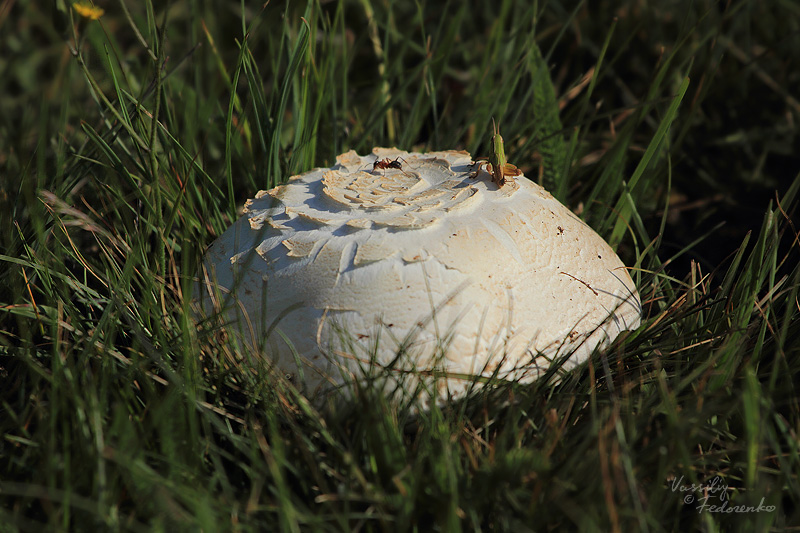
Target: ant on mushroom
383,164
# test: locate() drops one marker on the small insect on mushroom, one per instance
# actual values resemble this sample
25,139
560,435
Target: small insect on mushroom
497,165
383,164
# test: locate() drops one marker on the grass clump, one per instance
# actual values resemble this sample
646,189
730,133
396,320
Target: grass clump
127,143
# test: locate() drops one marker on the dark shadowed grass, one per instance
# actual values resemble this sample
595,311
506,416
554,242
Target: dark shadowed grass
127,145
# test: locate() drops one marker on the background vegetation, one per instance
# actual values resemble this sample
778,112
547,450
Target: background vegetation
127,144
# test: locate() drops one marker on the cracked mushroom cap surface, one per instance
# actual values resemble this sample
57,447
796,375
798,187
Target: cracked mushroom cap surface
354,270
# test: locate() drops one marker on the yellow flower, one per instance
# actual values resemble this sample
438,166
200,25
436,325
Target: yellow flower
85,9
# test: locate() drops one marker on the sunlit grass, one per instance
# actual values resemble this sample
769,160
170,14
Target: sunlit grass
128,143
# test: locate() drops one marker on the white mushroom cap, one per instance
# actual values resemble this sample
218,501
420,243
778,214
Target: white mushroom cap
343,271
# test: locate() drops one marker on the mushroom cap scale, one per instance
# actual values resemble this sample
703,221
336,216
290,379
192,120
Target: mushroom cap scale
347,271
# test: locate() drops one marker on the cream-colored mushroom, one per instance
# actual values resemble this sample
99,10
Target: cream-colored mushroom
428,274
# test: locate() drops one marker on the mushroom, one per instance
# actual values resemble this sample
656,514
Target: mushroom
418,269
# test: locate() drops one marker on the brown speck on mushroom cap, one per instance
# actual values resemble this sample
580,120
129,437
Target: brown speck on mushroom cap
314,268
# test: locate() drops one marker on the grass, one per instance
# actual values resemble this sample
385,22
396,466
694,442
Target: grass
128,143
